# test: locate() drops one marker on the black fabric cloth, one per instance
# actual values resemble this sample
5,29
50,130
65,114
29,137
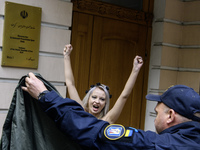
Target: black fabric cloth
27,127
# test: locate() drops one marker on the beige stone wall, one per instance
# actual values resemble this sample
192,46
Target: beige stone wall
55,33
175,50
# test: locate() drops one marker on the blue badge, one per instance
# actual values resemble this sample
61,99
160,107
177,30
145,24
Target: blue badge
114,131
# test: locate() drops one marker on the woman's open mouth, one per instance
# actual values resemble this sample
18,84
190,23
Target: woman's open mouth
95,107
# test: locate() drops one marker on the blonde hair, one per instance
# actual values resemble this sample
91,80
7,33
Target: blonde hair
87,96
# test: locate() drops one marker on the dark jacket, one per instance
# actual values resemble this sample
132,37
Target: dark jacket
27,127
89,131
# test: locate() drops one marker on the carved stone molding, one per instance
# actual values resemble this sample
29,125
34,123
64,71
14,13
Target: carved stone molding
94,7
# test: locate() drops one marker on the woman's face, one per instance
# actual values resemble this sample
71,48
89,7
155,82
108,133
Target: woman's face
96,102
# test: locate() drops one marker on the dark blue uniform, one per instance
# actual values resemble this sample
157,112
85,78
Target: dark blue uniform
92,133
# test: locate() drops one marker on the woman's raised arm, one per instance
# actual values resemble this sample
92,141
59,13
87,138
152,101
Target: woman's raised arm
69,78
115,112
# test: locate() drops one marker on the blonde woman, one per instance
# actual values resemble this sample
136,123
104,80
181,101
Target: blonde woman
97,99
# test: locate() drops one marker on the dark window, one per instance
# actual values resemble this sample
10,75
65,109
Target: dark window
133,4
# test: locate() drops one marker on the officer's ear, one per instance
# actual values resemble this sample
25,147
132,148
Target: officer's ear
171,116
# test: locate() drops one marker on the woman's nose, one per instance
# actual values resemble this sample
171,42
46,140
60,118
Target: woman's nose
97,100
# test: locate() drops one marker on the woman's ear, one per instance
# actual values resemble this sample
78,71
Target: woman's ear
171,116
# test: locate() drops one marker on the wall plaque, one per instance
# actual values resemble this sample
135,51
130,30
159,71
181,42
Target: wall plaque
21,37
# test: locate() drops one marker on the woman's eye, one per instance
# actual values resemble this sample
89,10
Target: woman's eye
94,97
103,99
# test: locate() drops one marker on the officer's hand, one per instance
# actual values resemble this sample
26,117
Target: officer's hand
34,86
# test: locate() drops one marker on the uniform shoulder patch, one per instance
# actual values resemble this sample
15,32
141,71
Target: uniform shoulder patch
114,131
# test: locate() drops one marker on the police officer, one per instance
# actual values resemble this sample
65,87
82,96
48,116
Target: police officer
177,121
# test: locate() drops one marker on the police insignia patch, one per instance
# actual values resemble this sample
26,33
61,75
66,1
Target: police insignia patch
114,131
